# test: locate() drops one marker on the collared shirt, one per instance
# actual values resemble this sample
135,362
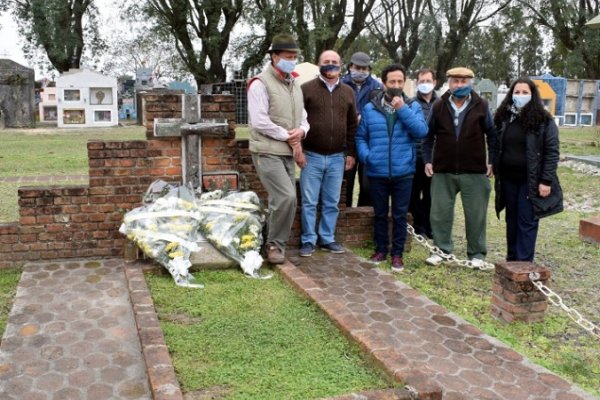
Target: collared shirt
459,115
330,86
258,113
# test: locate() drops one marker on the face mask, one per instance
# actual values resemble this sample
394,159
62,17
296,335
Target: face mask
461,93
330,71
286,66
390,93
521,100
358,76
425,88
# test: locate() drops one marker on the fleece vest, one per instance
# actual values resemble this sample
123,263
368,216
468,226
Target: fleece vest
285,109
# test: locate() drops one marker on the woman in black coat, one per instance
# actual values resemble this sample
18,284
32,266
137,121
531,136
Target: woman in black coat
525,166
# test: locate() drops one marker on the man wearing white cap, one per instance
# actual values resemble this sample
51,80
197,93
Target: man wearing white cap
455,157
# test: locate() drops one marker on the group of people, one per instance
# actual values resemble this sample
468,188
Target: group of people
417,154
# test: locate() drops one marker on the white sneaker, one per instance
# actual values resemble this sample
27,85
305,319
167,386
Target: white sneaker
434,260
477,263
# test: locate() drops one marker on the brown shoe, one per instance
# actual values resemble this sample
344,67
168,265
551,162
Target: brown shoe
274,255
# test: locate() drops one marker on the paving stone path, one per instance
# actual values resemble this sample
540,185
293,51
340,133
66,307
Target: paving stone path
416,340
71,335
83,329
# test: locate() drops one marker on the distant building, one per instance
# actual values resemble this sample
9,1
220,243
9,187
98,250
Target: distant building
185,86
144,79
86,99
48,105
17,95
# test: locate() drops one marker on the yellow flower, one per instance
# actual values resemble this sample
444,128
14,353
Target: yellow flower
175,254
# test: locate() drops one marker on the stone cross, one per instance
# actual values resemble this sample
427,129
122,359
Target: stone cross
191,127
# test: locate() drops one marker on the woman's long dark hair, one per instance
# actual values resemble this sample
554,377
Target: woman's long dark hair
532,115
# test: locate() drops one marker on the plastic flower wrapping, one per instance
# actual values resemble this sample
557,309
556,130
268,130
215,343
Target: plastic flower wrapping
173,220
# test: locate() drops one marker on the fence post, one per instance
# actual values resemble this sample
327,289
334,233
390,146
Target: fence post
514,297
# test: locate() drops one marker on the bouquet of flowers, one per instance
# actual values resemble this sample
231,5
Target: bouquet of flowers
166,229
173,220
233,223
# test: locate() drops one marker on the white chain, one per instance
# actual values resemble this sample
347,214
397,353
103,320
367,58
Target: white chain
451,258
553,298
556,300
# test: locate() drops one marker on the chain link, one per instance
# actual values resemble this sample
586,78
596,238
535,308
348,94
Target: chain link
451,258
552,297
556,300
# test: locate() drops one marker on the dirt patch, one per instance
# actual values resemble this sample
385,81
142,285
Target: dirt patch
214,392
181,318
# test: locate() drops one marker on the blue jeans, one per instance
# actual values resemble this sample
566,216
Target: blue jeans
521,225
322,177
381,190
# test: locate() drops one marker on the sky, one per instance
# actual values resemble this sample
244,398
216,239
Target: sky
9,44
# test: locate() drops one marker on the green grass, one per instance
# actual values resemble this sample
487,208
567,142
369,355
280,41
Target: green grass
30,152
580,141
249,339
8,288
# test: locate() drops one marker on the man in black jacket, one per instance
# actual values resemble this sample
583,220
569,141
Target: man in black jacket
455,157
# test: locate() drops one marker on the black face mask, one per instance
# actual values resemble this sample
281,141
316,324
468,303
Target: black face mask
390,93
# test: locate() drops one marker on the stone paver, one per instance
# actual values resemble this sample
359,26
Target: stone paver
71,334
414,339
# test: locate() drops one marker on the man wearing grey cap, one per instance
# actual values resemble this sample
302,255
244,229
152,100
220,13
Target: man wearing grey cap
363,84
455,157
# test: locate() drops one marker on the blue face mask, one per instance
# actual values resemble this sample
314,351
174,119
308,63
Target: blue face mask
286,66
462,92
521,100
425,88
358,76
330,71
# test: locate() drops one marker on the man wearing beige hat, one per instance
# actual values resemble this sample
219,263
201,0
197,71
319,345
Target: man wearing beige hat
455,157
278,123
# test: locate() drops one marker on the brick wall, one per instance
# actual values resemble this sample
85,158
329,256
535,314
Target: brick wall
83,221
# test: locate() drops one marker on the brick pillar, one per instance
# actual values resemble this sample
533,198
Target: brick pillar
514,297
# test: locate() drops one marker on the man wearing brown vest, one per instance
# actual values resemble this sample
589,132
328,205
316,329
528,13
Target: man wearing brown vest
278,123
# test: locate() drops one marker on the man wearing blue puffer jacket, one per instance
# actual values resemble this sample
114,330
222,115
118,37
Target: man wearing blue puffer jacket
385,142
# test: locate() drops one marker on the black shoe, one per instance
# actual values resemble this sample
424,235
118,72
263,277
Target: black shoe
333,247
306,250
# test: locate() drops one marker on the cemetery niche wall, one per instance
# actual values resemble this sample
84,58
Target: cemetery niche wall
86,99
17,95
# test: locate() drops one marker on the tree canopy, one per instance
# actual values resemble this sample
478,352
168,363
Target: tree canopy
498,39
60,28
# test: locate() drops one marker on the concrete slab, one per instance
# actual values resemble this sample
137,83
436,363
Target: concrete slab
593,160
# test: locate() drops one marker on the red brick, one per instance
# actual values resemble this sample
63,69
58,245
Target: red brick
9,239
589,229
27,220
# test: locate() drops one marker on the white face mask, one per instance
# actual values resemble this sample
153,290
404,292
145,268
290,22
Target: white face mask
286,66
521,100
425,87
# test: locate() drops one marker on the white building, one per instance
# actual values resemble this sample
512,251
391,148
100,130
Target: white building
86,99
48,105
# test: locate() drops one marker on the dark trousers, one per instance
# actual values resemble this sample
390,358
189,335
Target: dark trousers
420,201
364,196
521,225
381,190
